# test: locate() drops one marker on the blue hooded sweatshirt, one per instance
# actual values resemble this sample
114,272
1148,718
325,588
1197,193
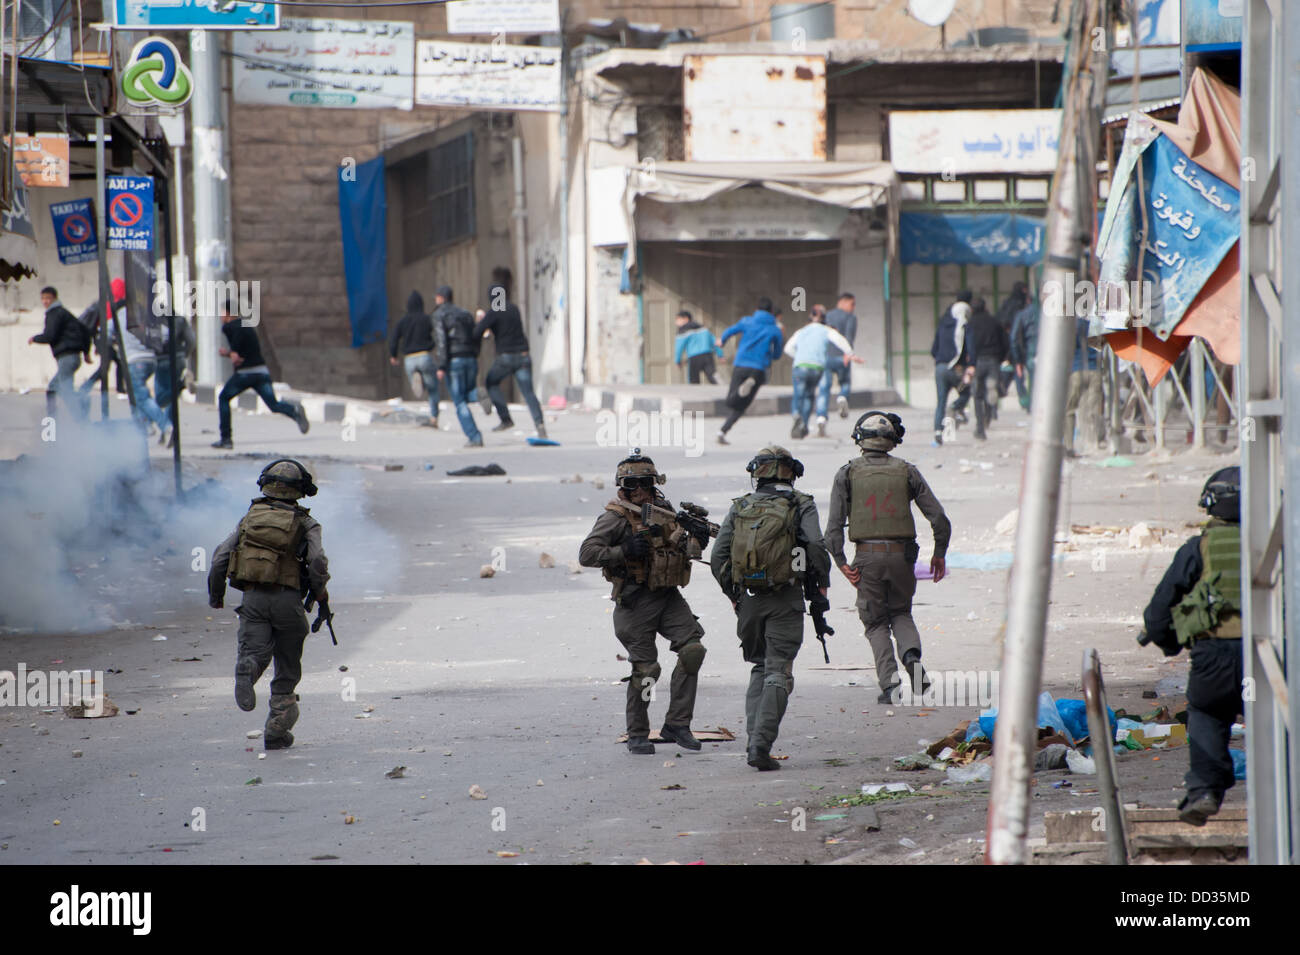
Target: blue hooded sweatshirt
692,340
760,340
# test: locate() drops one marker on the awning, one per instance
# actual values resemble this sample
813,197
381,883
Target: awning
850,185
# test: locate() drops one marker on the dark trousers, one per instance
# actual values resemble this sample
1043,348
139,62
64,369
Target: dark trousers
238,383
1213,703
737,402
770,627
272,629
704,365
986,391
947,380
520,365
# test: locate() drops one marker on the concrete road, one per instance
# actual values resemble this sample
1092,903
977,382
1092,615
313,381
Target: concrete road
511,683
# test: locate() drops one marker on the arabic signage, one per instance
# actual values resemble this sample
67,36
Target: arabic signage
349,64
957,142
1211,25
129,203
191,14
490,17
487,75
1192,219
41,160
969,238
74,231
737,216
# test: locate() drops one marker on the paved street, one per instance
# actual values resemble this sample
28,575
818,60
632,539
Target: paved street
511,683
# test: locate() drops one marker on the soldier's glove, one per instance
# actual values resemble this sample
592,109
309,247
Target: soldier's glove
819,603
703,537
636,548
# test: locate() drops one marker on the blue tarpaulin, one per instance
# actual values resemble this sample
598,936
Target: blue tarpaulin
363,213
969,238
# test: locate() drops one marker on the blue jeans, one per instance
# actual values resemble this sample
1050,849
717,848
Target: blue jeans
237,384
145,406
63,384
162,384
421,363
520,365
805,379
844,374
946,380
461,377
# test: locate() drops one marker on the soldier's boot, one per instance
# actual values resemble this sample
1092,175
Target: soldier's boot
771,709
640,746
762,760
920,679
1196,811
890,694
283,715
640,687
681,735
245,677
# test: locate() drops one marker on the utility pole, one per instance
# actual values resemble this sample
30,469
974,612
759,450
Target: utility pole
1069,237
211,227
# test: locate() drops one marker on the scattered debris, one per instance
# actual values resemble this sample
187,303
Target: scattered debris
349,820
576,479
487,570
674,786
575,567
1051,757
907,843
872,789
979,772
397,772
478,470
1140,535
255,781
1007,525
507,855
476,792
79,711
76,754
545,561
1079,764
916,761
252,734
160,638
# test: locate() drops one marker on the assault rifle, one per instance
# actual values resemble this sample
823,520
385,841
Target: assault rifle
324,616
817,607
691,518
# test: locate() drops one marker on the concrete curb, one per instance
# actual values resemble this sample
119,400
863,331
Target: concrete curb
772,400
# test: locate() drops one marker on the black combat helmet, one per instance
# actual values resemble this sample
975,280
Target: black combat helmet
1221,496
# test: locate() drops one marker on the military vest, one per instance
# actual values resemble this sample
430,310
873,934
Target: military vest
765,533
880,501
667,564
266,549
1213,606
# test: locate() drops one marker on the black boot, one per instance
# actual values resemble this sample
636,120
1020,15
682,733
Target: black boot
245,696
640,746
681,735
888,694
920,679
762,760
1196,811
279,742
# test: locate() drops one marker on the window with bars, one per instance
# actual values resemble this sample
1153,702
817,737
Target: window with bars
437,189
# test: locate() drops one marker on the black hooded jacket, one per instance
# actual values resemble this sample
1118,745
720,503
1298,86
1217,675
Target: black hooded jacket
505,324
414,330
454,329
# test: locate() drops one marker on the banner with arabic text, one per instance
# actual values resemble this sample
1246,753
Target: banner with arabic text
969,238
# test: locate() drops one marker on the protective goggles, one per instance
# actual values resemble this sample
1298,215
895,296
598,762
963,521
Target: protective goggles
634,481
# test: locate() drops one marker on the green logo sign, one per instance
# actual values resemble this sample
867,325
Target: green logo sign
155,75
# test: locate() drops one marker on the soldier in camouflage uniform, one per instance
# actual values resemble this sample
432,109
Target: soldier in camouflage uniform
769,542
640,548
874,494
274,549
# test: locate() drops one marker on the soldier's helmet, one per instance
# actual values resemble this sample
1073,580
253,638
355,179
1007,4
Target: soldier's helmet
1221,496
286,480
879,431
774,463
637,470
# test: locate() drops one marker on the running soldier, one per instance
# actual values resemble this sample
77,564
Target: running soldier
874,494
770,541
275,547
639,546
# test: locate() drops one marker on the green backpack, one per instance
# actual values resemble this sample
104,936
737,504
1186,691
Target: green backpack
266,549
763,541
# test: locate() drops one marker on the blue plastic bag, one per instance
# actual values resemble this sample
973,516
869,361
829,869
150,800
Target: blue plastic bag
1238,763
1074,713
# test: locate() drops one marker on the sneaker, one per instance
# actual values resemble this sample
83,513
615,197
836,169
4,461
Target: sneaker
889,693
681,735
476,443
485,402
722,438
745,388
938,440
245,695
505,425
842,405
278,742
762,760
640,746
541,432
300,415
1196,811
821,426
796,429
225,444
980,436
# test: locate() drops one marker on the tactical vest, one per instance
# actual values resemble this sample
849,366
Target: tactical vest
880,502
266,549
1213,606
667,564
765,533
